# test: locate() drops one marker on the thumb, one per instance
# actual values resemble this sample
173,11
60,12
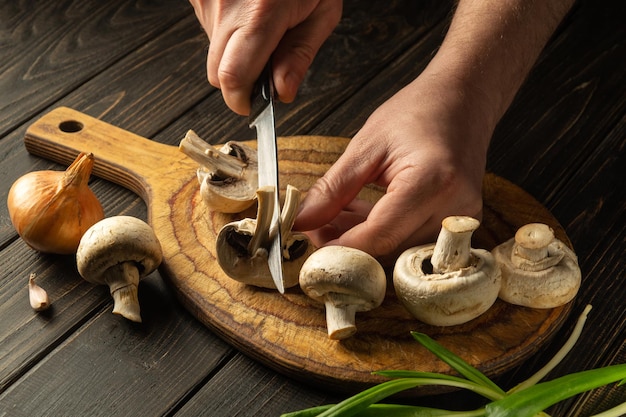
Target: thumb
331,193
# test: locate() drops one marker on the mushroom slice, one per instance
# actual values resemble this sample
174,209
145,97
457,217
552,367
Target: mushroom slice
448,282
538,270
228,177
347,281
242,246
118,251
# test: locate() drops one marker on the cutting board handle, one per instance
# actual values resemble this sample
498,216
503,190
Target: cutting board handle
121,157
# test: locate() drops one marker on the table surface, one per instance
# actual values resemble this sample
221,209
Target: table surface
141,66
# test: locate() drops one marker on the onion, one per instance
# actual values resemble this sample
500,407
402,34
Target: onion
51,210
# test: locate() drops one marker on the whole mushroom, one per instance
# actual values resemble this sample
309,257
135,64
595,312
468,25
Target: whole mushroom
448,282
242,246
347,281
538,270
118,251
228,177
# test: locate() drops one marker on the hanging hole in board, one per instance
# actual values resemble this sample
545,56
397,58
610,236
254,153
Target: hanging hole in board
71,126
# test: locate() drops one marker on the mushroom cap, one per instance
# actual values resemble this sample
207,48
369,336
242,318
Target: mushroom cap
115,240
546,283
232,255
231,195
345,271
448,298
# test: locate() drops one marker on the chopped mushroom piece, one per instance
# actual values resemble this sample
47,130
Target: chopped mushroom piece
228,177
347,281
538,270
448,282
242,246
118,251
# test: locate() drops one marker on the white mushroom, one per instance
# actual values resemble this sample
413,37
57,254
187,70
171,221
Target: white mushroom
118,251
228,177
242,246
347,281
538,270
448,282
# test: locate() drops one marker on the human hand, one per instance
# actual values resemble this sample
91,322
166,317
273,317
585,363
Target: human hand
427,145
244,34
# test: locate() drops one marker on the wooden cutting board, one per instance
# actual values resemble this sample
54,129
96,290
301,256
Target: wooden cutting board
288,332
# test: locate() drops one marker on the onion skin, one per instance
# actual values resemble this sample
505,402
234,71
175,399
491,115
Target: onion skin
51,210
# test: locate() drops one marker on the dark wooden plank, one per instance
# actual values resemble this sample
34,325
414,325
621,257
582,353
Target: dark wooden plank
59,45
142,93
593,204
111,366
244,388
571,101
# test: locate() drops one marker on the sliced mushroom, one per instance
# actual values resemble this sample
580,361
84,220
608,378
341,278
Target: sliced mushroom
242,246
228,177
347,281
538,270
118,251
448,282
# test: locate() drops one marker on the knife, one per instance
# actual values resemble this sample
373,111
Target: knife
262,118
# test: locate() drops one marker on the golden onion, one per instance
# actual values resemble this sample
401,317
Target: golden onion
51,210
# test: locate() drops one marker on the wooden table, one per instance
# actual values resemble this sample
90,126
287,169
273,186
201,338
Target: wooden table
141,66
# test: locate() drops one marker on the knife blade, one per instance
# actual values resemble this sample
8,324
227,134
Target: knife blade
262,118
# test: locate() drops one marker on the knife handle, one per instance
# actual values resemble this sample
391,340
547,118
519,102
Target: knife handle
263,93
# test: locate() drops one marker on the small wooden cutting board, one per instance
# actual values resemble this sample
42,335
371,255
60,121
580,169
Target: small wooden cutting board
288,332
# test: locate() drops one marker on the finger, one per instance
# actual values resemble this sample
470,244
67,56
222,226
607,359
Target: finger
296,51
389,225
242,43
355,213
339,186
404,218
242,61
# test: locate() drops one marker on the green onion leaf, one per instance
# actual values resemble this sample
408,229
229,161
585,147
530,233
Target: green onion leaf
359,402
437,379
457,363
395,410
530,401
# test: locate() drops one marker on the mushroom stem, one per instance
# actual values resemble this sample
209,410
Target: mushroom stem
290,209
340,315
123,280
218,163
452,249
265,210
532,241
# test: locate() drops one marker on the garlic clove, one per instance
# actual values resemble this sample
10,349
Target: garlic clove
37,296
